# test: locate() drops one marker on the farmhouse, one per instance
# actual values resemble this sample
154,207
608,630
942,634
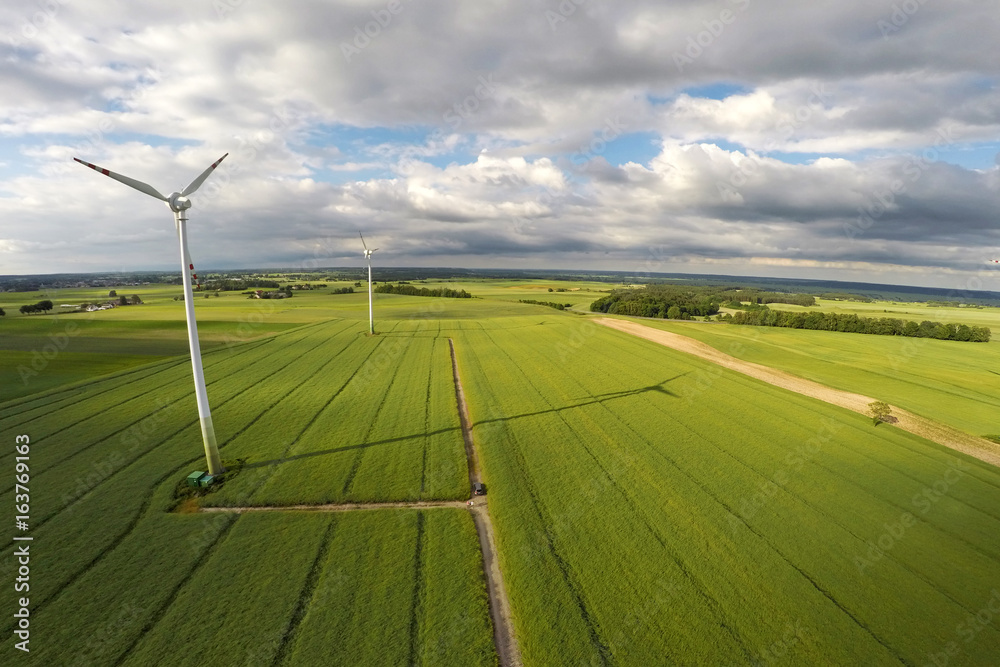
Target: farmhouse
261,294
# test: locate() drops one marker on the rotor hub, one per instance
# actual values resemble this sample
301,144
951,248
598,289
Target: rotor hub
178,203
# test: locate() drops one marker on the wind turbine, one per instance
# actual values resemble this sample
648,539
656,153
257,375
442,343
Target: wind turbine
368,257
179,204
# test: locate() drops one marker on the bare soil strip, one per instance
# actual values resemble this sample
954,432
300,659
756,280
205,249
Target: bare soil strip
980,448
503,626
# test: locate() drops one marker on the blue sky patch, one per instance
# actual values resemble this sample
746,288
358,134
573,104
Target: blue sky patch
717,91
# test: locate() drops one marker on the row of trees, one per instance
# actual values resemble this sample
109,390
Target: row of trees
410,290
550,304
846,296
685,302
40,307
851,323
238,285
122,300
343,290
662,301
755,297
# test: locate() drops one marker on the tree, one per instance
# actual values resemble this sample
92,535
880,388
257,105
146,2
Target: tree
44,306
980,334
135,300
123,300
674,313
879,411
2,313
112,294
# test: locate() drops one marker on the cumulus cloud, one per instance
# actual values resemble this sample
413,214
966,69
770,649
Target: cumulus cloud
737,136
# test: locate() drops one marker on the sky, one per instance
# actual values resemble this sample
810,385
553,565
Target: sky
850,140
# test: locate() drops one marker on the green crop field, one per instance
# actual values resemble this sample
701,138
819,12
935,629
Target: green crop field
649,507
949,381
360,419
278,588
106,456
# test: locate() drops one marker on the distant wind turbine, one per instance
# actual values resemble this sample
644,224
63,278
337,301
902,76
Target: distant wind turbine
179,204
368,257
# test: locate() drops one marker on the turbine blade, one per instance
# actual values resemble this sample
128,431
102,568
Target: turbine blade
363,240
196,183
131,182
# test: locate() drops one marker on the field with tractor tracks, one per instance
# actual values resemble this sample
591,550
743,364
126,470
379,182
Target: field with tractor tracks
644,505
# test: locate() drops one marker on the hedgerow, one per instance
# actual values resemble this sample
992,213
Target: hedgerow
851,323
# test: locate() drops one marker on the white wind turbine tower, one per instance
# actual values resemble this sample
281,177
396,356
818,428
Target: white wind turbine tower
368,257
179,204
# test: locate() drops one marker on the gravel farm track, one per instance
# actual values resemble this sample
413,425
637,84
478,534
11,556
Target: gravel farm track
980,448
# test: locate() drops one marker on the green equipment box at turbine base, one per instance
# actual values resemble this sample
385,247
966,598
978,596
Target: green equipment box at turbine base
200,478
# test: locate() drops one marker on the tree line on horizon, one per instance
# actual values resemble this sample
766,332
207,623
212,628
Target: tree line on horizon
238,285
550,304
851,323
40,307
685,302
660,301
735,298
409,290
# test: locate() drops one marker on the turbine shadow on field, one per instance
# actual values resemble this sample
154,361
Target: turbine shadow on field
347,448
658,387
599,398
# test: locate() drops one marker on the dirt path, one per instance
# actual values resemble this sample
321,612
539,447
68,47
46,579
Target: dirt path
943,434
463,416
503,626
342,507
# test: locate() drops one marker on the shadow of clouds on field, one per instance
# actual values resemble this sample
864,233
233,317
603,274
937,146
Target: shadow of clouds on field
599,398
